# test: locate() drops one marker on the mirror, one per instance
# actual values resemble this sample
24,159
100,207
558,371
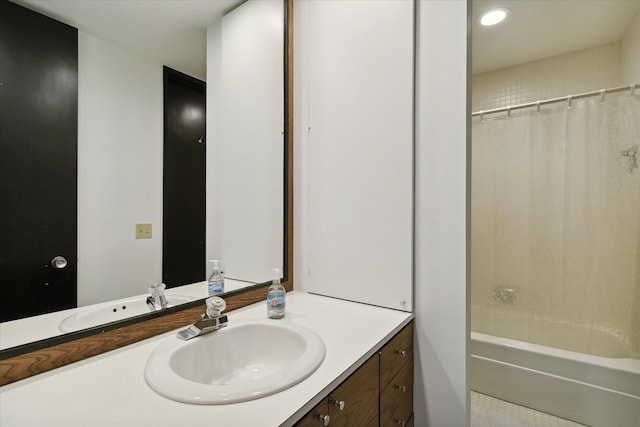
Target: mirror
233,225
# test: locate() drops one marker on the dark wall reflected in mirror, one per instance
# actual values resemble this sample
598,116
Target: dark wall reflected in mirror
38,151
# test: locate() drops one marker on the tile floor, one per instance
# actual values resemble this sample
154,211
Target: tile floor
487,411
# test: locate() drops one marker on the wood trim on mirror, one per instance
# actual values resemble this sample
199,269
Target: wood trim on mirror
288,152
64,352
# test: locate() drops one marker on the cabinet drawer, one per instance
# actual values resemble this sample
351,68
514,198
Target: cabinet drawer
395,353
396,399
359,395
316,416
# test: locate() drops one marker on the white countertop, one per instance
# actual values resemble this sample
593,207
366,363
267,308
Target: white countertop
110,389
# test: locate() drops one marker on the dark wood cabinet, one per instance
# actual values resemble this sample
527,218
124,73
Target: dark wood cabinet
396,380
355,402
410,423
379,393
396,399
318,416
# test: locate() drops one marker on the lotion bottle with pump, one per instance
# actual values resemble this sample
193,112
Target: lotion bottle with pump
276,297
216,280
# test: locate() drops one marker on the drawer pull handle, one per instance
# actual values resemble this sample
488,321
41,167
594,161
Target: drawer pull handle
402,353
324,419
401,423
339,404
402,388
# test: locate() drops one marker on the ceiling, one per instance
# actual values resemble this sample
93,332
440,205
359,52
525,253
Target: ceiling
173,32
536,29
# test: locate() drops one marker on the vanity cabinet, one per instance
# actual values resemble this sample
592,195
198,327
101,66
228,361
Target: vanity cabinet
354,403
396,380
318,416
379,393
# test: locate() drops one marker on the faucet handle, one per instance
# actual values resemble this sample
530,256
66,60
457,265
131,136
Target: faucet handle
156,289
215,306
157,300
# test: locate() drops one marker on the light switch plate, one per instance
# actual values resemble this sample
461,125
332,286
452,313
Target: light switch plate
143,231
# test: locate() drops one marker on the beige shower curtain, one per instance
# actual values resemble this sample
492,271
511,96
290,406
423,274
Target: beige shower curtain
556,225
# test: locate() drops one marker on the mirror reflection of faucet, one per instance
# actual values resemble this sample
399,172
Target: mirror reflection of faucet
211,321
157,301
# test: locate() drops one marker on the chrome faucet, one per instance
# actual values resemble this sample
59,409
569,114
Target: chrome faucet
157,301
211,321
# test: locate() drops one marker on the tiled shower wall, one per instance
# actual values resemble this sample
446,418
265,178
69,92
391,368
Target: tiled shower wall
572,73
611,65
630,69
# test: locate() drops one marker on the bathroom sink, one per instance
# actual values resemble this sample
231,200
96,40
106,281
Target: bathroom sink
105,313
246,360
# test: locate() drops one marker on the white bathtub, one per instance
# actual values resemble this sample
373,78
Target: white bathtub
591,390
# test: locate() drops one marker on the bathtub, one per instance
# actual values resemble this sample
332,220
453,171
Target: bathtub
592,390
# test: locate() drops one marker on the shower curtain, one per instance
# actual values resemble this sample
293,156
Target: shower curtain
556,225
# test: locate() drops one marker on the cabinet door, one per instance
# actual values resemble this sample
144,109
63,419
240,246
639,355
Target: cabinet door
355,403
316,417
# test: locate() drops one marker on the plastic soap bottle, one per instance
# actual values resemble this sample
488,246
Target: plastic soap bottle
216,280
276,297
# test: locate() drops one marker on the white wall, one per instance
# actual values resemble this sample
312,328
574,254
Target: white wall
441,286
250,147
245,143
359,149
301,145
119,171
214,111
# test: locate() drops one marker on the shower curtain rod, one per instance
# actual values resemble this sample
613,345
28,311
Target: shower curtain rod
569,98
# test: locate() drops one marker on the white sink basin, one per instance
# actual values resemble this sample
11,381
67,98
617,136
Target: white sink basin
244,361
111,312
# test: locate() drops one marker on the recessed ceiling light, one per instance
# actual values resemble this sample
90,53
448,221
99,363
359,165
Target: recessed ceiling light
493,16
